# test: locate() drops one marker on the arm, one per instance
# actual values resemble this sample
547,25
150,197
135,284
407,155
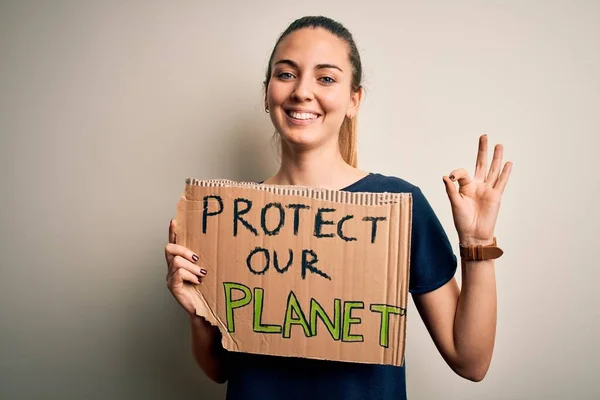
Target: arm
207,349
183,272
462,322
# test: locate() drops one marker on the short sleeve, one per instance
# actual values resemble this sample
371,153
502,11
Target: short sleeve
432,261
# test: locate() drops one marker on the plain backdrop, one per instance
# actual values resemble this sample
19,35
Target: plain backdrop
107,106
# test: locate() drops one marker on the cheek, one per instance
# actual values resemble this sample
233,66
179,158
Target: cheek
276,93
335,101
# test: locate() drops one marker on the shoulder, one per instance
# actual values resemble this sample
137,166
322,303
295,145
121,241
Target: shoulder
380,183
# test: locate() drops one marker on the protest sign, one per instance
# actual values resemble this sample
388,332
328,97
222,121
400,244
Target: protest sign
301,272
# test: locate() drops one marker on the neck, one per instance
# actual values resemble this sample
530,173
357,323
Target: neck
323,167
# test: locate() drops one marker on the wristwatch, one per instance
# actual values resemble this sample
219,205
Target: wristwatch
480,252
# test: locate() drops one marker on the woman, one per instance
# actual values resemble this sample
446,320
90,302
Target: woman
313,93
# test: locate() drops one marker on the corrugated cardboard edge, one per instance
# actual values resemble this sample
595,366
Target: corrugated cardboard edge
333,195
410,206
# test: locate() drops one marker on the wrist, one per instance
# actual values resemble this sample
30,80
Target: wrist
469,241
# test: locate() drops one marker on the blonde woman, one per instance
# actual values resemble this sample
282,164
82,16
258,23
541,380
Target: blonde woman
313,93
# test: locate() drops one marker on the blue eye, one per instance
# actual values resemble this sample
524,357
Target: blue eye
327,80
285,75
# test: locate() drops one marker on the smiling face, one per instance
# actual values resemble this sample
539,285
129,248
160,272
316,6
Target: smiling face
309,90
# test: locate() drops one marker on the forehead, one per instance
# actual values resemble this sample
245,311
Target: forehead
311,46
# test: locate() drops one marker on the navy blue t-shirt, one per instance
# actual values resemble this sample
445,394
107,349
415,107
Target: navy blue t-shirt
433,264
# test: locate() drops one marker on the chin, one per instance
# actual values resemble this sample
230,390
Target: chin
303,134
303,139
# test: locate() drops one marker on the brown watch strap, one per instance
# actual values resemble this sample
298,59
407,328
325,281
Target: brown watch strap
480,252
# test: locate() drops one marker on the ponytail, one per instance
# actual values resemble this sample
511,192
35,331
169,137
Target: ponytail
347,141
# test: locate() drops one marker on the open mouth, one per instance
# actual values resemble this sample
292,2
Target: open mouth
302,116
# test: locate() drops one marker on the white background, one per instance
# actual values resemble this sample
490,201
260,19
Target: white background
107,106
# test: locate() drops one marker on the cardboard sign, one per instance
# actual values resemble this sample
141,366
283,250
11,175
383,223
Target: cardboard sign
301,272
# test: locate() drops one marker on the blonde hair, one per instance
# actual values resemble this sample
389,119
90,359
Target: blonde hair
347,141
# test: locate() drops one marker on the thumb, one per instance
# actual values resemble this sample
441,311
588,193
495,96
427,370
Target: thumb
173,231
451,190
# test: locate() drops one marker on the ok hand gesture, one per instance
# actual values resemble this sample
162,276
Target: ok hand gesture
476,202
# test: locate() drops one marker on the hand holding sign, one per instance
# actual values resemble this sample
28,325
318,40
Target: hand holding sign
182,269
476,203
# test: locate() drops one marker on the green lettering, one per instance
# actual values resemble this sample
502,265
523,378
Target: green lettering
294,307
258,308
384,326
231,304
332,326
349,320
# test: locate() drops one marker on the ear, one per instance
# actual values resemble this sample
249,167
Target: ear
266,102
355,102
265,92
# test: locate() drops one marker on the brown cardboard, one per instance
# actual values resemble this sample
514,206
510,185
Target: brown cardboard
282,312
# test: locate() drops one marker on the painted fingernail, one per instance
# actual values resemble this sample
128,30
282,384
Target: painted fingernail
203,271
195,257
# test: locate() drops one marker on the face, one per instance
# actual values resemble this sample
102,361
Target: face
309,91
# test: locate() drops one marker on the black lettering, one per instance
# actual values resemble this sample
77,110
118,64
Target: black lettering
319,222
374,221
263,219
276,262
297,208
206,213
267,260
340,228
308,264
237,216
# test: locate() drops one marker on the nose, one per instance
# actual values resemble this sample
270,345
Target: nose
303,91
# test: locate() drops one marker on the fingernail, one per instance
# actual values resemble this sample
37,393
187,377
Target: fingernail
195,257
451,177
203,271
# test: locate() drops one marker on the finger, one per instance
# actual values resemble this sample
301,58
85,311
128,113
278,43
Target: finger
481,163
181,276
181,263
461,176
503,179
453,194
172,250
168,256
496,164
172,227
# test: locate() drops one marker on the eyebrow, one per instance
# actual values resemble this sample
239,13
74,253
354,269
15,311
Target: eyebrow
319,66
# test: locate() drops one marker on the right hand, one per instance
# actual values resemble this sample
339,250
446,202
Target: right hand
182,271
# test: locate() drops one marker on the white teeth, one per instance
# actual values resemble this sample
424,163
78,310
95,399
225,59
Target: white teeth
298,115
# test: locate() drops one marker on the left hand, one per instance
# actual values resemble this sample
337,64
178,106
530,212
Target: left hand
476,203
